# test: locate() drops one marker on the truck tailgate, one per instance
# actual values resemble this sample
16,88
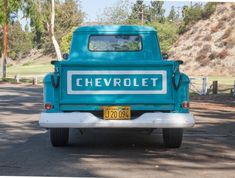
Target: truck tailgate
116,84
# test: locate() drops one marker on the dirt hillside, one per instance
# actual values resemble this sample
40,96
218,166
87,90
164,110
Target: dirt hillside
208,48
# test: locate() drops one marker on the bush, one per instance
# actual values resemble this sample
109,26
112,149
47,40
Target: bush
223,54
167,34
195,13
233,7
197,37
209,9
202,55
66,41
218,26
226,34
20,41
202,59
205,49
213,55
207,37
229,42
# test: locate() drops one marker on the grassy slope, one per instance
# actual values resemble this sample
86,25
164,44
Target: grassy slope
222,80
42,69
32,69
41,65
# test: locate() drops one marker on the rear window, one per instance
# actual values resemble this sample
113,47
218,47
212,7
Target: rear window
115,43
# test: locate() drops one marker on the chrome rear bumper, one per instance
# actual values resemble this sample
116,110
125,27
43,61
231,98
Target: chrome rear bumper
88,120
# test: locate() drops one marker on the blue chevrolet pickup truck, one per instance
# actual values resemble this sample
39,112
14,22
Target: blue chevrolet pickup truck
116,77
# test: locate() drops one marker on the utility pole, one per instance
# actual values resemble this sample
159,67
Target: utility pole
5,31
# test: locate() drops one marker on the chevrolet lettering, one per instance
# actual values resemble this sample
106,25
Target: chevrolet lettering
116,77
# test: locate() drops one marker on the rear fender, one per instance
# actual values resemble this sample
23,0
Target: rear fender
182,94
50,93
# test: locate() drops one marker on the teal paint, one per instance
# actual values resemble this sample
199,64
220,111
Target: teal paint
89,80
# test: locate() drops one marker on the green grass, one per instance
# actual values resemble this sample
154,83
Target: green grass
42,69
222,80
36,69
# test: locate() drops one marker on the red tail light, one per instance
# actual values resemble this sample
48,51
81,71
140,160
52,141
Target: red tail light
185,104
48,106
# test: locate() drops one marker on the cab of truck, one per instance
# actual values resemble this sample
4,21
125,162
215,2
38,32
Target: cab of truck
115,77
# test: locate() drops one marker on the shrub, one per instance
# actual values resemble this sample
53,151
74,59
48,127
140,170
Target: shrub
66,41
195,13
219,25
207,38
233,7
189,47
214,29
197,37
198,44
224,18
202,55
209,9
232,22
232,15
223,54
226,34
167,33
221,10
205,49
213,55
229,42
201,59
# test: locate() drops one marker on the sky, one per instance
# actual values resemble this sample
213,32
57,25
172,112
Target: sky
92,8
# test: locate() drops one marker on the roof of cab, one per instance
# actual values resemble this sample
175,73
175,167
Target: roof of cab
115,28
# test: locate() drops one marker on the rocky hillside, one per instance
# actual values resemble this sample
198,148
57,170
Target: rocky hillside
208,48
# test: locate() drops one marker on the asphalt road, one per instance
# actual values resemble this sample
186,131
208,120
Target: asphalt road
208,149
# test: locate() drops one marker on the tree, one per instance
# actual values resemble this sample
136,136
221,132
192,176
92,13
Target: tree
39,14
192,14
208,9
68,14
20,41
51,30
139,13
66,41
7,8
167,33
172,15
157,11
117,14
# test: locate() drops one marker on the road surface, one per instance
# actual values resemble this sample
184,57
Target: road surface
208,149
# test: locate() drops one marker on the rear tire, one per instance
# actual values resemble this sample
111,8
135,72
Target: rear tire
172,137
59,136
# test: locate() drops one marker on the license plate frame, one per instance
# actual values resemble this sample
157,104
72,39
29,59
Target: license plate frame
117,113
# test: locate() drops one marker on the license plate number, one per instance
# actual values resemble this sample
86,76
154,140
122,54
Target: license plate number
117,113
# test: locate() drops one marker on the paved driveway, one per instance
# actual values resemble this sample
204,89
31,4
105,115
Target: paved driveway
208,149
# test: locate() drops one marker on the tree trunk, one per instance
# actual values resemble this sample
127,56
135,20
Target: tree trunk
54,41
5,31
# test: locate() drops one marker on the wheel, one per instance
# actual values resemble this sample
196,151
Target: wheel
172,137
59,136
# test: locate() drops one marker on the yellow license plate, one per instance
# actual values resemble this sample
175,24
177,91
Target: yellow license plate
117,113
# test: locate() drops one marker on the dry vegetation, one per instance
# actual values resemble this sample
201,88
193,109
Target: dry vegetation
226,34
209,49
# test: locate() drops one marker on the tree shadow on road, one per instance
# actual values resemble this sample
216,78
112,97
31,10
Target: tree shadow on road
25,148
20,100
99,149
